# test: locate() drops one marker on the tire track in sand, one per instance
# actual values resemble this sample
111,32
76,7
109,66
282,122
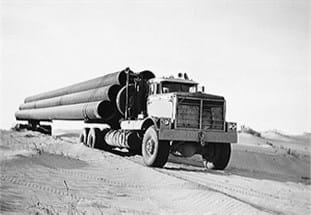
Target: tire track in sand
101,178
204,198
273,202
258,199
196,199
59,192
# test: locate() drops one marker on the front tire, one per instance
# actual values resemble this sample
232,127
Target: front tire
216,155
155,153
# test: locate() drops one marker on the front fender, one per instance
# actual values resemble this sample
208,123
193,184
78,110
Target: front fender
142,124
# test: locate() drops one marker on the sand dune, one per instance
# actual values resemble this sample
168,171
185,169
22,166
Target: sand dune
55,175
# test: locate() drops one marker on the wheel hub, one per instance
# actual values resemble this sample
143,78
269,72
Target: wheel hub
150,147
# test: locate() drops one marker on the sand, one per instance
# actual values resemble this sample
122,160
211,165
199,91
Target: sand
41,174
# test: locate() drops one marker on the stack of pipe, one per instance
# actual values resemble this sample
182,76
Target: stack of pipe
92,100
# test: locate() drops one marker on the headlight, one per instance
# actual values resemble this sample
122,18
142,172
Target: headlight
165,122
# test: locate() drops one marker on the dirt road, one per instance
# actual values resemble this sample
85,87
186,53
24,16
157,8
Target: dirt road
56,175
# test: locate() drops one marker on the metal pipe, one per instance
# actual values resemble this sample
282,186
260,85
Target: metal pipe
118,78
108,93
102,110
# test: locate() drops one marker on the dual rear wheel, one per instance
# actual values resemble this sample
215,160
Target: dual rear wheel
91,137
83,136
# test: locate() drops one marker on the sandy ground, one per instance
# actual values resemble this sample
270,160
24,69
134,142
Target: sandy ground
55,175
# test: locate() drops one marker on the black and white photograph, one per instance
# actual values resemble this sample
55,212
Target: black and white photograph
165,107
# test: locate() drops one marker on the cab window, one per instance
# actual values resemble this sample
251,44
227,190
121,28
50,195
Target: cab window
168,87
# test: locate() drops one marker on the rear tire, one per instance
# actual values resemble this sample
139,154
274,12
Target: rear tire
216,155
155,153
94,138
84,135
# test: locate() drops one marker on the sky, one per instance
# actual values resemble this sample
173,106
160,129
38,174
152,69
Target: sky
254,53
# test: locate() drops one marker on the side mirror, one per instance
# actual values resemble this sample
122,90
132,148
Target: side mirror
201,89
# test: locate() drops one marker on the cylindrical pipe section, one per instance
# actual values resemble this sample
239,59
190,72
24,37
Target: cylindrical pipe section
108,93
118,78
123,139
102,110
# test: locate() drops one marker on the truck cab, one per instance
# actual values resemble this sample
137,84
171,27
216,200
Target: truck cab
194,122
185,121
180,100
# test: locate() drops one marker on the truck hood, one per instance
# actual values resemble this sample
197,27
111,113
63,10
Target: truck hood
199,95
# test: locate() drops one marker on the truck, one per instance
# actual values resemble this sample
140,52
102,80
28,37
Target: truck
150,116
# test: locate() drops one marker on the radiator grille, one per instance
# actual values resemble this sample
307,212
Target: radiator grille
188,114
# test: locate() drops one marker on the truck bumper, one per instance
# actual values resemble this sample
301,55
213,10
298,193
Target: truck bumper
189,135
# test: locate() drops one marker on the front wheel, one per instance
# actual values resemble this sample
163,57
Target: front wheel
216,155
155,153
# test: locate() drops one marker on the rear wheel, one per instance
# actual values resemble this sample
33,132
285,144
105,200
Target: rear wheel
94,138
216,155
84,135
155,153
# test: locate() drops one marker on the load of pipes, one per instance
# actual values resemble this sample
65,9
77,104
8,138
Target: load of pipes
94,100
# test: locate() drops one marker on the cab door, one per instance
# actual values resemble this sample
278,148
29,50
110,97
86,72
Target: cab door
158,104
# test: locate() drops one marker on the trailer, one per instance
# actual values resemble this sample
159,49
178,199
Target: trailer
145,114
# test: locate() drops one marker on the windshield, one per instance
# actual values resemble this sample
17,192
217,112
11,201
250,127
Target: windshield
168,87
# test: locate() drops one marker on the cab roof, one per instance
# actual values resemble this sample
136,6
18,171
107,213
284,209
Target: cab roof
173,79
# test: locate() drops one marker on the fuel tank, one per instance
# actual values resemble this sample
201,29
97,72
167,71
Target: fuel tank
123,139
